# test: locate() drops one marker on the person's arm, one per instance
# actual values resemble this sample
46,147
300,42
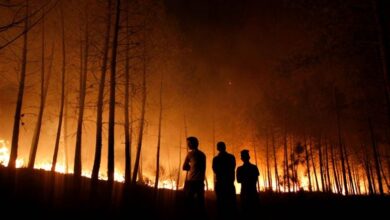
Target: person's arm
239,177
186,165
214,165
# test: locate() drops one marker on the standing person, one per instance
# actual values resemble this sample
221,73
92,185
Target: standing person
247,175
224,166
195,164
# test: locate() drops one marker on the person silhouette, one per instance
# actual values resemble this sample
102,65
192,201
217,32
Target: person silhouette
247,175
224,165
195,165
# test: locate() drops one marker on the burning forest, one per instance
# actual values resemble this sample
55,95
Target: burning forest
98,99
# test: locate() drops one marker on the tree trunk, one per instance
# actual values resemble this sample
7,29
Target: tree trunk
159,140
275,161
142,120
179,167
340,143
111,114
376,158
314,166
308,166
286,173
351,182
66,130
38,126
60,116
100,100
268,165
321,165
19,102
327,169
367,171
128,137
77,169
255,152
336,179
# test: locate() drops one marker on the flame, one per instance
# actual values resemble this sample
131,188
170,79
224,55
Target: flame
61,168
4,155
148,177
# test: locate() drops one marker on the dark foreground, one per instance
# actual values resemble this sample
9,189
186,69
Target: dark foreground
44,195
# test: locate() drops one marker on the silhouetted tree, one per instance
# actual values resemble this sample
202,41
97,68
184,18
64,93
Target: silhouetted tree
99,112
44,87
159,139
77,169
19,102
63,72
111,115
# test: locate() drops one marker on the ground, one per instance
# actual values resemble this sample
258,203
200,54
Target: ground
43,194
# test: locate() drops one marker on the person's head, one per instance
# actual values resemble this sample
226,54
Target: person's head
192,143
221,147
245,155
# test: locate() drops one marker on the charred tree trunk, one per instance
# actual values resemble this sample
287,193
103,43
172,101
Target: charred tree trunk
179,167
376,158
66,157
128,136
159,139
38,126
294,174
340,142
111,114
351,182
255,152
286,172
314,166
77,169
367,171
60,116
328,183
267,162
323,188
275,161
100,100
308,166
335,176
142,120
19,102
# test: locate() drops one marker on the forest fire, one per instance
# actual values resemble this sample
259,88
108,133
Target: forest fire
104,102
61,168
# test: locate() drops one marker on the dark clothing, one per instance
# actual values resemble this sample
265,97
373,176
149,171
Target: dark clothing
247,175
195,164
224,165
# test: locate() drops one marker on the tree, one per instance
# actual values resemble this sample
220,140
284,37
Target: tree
142,119
127,126
99,113
111,119
159,139
44,89
63,73
77,169
19,102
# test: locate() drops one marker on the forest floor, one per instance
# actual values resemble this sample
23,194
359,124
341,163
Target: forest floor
45,195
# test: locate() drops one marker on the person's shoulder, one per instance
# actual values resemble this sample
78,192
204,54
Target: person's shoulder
201,153
253,166
231,156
